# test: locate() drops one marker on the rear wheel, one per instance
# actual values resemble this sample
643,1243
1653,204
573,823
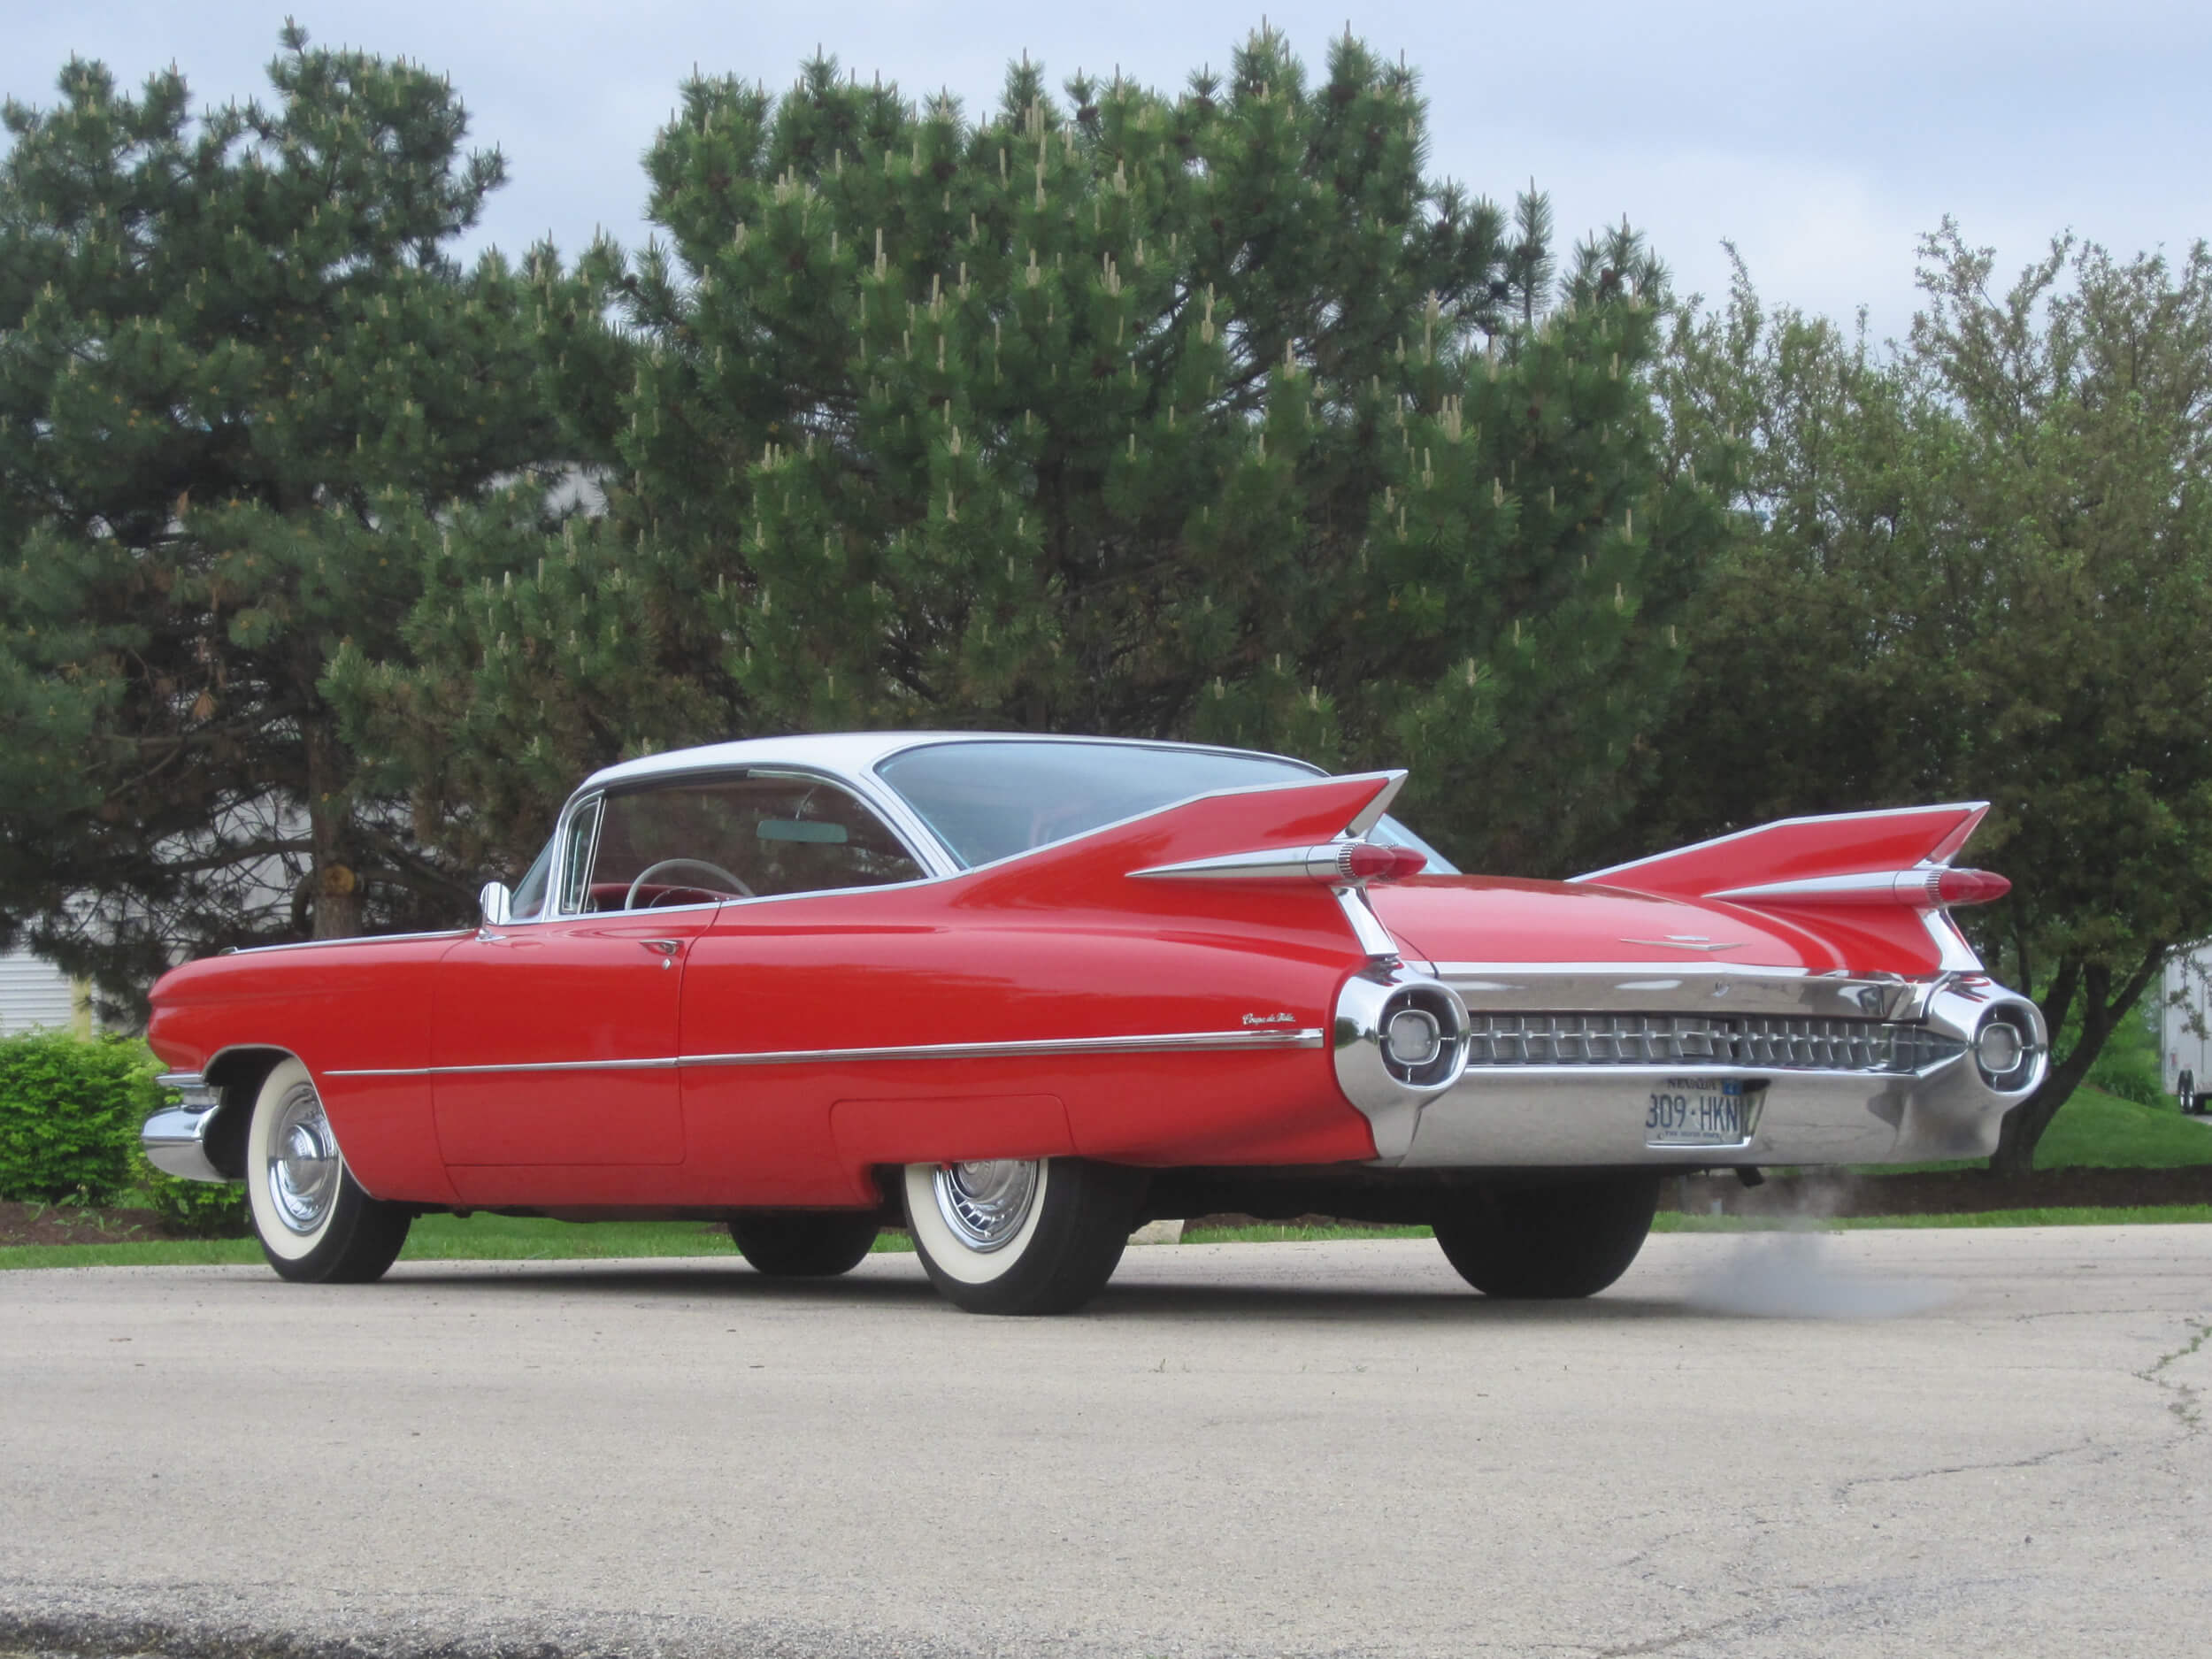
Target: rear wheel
1020,1235
816,1244
314,1222
1543,1241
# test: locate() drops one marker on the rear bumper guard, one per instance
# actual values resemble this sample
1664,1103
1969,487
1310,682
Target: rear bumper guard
176,1138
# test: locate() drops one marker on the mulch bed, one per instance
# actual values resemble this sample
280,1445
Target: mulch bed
72,1224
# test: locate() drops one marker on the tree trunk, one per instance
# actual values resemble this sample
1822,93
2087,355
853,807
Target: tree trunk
2024,1124
2102,1007
337,884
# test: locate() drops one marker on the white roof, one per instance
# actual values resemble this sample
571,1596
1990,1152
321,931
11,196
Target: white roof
847,754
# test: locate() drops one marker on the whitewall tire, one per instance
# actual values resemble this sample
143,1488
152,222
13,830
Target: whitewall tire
1020,1236
314,1222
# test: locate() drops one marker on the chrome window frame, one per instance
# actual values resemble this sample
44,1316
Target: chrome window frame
932,868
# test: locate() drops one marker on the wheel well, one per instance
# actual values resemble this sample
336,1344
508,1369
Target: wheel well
238,1074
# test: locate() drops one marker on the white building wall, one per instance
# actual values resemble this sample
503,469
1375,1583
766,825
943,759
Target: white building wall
35,994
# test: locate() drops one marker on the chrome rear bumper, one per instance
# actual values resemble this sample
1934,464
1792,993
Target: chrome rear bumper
1562,1089
176,1138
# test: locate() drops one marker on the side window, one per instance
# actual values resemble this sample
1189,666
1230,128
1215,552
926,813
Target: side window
698,841
576,859
528,903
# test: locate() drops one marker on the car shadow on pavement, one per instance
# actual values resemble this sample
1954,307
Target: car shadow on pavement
1127,1300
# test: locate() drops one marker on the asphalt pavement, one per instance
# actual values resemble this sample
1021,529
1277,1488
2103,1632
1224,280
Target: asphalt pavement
1988,1441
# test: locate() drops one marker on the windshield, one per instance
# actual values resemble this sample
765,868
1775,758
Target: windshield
988,800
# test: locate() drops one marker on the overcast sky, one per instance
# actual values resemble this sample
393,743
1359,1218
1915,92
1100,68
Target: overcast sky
1820,139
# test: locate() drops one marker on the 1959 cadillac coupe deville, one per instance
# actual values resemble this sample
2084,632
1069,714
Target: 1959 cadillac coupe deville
1020,995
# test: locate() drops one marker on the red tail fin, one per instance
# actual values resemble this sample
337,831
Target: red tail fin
1803,851
1237,826
1879,878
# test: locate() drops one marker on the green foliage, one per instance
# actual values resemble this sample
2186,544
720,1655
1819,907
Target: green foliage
1208,416
198,1209
233,354
70,1113
2127,1067
1977,567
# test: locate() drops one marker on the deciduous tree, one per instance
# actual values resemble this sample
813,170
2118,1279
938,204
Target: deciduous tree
1977,564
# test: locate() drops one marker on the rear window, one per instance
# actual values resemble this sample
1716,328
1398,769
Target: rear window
987,801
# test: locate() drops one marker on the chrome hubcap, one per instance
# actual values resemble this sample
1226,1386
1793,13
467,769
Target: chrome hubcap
987,1202
303,1162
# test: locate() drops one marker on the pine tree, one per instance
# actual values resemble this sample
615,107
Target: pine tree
1204,416
233,357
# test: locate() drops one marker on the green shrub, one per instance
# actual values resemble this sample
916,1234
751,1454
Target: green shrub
70,1112
199,1209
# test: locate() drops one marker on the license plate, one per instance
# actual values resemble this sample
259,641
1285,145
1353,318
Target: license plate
1701,1112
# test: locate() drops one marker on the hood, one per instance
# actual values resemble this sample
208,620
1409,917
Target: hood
1490,919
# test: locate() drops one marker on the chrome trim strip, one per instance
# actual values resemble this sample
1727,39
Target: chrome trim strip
1170,1043
657,1062
351,939
1375,939
1878,883
1166,1042
1953,950
1676,969
1660,987
1322,863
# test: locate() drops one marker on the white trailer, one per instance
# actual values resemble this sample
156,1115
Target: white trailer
2185,1021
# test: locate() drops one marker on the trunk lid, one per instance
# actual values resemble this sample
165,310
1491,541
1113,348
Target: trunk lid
1493,919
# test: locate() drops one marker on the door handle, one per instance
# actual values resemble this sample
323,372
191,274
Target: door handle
664,949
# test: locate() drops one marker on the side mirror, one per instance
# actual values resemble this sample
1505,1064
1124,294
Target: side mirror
496,903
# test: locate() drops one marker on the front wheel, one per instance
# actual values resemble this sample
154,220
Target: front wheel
1550,1240
1020,1235
315,1223
804,1244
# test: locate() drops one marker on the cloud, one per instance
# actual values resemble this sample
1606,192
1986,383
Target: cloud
1821,140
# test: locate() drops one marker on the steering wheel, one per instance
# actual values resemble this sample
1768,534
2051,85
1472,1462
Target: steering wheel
738,888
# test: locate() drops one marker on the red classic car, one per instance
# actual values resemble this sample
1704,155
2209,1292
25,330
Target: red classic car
1020,995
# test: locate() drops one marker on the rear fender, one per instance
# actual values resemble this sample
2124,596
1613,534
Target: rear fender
1863,879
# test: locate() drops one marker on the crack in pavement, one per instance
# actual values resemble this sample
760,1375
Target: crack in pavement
1662,1643
2184,1404
1843,1492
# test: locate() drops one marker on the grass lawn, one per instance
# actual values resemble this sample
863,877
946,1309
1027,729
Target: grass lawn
479,1238
2095,1130
2101,1131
